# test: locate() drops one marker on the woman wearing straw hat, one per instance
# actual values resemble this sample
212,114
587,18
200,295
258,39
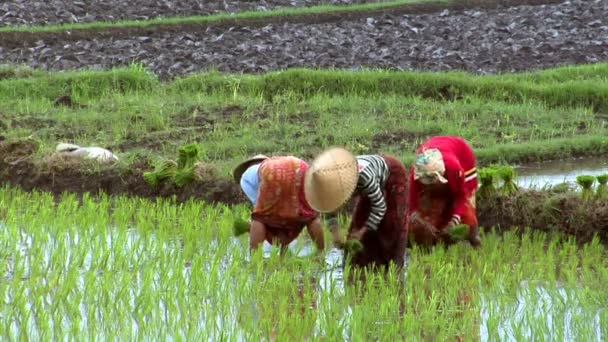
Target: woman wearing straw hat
442,186
275,187
378,220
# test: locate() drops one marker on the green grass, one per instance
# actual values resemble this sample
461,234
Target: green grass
120,268
223,17
230,116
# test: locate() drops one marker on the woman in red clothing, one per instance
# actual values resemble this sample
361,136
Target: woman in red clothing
442,186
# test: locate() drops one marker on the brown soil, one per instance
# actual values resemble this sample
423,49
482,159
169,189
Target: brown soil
549,211
19,12
410,37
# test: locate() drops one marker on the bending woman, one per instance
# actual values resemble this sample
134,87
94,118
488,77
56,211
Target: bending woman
442,187
275,187
378,220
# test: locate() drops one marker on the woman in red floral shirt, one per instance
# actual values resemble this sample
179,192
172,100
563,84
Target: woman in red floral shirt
442,186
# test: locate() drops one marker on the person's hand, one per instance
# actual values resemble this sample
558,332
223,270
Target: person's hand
428,227
357,234
337,237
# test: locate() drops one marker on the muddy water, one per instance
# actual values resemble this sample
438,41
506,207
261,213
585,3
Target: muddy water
555,172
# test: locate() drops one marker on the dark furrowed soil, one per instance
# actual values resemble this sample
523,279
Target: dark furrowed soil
25,12
543,210
495,40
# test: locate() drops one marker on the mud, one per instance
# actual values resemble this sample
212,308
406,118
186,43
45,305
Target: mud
514,39
19,12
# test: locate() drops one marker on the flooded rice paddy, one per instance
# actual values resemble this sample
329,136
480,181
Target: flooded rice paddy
119,268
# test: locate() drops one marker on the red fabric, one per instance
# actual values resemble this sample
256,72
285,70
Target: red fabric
435,207
388,243
281,205
458,158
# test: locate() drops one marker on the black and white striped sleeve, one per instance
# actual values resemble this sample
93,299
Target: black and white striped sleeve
370,185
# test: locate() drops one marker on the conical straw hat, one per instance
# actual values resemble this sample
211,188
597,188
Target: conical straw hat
331,179
242,167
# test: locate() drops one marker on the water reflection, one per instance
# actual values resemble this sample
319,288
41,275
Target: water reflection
550,173
535,310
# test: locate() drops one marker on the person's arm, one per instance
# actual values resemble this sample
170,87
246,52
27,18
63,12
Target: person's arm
413,194
315,231
455,177
370,187
249,184
333,226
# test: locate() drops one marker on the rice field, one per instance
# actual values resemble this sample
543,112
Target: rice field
122,268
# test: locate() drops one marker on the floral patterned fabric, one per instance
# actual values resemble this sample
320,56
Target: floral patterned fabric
281,204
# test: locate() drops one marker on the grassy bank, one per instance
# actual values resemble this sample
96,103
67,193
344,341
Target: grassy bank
302,111
570,86
125,267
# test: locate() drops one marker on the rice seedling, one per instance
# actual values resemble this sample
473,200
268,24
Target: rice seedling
486,178
123,268
507,174
166,169
240,227
353,246
601,192
586,183
458,232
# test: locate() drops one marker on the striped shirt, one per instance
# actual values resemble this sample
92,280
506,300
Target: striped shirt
373,173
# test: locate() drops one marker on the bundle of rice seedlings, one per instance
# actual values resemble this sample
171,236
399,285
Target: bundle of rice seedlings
602,189
353,246
586,183
240,227
486,178
166,169
188,155
184,176
458,232
203,171
507,174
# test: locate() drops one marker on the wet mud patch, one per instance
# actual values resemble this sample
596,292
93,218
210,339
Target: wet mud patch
549,211
65,12
12,152
446,38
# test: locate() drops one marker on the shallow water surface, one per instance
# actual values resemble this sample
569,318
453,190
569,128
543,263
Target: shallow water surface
68,271
551,173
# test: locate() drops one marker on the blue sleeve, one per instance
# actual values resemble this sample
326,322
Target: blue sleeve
250,183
